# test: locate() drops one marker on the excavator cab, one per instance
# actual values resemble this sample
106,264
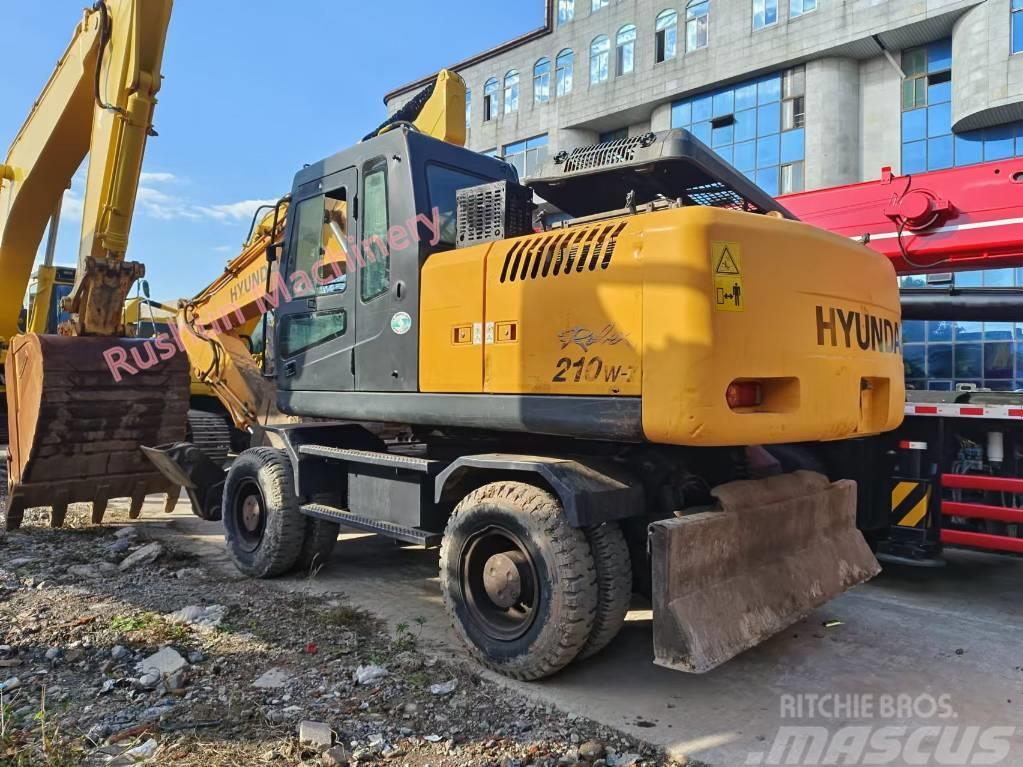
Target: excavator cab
343,321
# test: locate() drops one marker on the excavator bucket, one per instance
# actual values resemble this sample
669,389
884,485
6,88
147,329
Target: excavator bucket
76,431
726,580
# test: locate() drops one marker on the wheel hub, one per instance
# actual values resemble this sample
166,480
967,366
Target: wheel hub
502,578
251,513
499,582
248,516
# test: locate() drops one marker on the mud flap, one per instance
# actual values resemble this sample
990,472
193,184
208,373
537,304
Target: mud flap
76,430
724,581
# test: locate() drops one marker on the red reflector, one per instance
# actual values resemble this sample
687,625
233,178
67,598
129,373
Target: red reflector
743,394
971,411
909,445
925,409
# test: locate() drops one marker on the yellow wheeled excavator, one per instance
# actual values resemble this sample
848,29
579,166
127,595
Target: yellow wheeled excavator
583,405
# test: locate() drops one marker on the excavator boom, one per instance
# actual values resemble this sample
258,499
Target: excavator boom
75,428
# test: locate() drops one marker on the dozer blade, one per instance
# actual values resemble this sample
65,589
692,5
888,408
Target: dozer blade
76,432
724,581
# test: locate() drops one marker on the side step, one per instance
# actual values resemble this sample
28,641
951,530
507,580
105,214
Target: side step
374,458
365,524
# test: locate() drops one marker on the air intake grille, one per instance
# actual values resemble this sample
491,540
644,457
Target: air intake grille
493,212
603,155
566,252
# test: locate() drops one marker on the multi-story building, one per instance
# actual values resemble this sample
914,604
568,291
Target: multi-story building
796,94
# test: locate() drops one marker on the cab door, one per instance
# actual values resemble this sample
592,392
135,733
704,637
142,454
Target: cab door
315,322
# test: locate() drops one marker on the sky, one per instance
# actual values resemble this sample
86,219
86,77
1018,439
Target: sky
252,90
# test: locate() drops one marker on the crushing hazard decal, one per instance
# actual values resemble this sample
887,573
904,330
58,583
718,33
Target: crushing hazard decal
726,261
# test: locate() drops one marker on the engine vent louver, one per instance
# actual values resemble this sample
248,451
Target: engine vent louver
565,252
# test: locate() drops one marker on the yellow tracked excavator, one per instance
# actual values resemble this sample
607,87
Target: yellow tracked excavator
74,430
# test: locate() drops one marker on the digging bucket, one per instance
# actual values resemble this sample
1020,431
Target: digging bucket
726,580
76,431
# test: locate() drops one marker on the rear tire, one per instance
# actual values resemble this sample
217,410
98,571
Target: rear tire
519,582
614,583
263,524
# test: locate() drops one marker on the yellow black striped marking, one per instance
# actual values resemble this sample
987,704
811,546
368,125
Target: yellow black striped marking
909,503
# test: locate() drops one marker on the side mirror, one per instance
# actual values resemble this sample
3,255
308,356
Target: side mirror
145,288
273,252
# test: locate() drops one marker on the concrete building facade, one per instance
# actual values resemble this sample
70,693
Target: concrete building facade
797,94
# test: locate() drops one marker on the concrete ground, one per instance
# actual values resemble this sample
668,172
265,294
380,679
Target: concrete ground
919,634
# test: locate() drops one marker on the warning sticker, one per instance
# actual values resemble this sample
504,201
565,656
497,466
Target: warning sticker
726,259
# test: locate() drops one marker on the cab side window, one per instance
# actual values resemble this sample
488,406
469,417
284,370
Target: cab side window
376,274
321,245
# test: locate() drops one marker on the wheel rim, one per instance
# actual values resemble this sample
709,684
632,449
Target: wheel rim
499,582
249,515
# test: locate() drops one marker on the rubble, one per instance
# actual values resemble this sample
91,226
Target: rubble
208,617
315,734
142,556
130,679
163,662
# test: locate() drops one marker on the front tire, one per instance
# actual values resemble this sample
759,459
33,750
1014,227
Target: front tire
263,524
519,582
614,584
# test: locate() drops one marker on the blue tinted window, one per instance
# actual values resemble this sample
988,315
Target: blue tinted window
939,120
726,153
724,104
939,331
767,180
969,331
998,360
998,278
792,146
723,135
769,90
939,56
997,331
702,132
915,357
746,96
939,360
939,153
767,151
745,125
968,361
939,92
999,143
1017,27
969,148
914,157
768,119
746,156
969,279
914,125
702,108
681,114
913,330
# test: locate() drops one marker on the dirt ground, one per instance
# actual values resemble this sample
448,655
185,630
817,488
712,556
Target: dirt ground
239,666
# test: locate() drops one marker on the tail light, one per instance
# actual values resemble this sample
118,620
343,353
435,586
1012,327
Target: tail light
740,394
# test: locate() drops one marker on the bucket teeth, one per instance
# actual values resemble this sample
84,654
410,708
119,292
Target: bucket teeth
76,431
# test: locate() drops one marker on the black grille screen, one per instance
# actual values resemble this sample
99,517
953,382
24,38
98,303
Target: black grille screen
493,212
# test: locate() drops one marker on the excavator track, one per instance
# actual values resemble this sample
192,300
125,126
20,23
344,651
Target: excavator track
76,431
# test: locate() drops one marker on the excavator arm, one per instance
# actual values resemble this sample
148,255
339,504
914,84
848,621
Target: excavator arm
75,427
